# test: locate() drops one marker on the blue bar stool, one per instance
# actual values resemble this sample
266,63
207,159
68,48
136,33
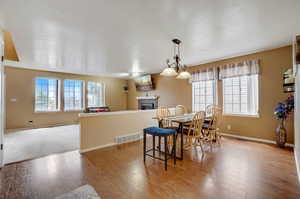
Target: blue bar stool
160,132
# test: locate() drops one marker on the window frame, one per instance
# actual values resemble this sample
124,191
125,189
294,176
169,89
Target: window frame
58,95
257,114
87,92
215,93
82,96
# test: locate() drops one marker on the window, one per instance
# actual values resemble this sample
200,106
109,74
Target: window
73,95
95,94
204,94
46,95
240,95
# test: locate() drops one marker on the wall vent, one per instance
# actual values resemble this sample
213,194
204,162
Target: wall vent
128,138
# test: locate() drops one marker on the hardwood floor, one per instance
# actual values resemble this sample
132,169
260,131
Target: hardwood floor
237,169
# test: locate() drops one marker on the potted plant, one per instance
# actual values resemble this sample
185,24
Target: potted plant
281,113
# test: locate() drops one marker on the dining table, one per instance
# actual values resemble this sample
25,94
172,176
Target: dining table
181,120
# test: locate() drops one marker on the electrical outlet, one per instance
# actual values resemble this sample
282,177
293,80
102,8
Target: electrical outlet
228,127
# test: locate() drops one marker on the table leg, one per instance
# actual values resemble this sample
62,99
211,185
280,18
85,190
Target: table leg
180,131
181,141
159,138
153,145
159,143
160,123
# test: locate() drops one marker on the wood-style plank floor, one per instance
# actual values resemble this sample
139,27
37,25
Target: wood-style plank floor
237,169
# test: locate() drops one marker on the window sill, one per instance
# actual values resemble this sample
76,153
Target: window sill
56,111
96,106
241,115
77,110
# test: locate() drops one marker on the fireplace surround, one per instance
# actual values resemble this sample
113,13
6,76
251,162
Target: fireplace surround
147,103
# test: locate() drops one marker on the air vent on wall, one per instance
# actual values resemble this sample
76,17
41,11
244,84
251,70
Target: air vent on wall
128,138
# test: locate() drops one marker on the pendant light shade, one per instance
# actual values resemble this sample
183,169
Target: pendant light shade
184,75
169,72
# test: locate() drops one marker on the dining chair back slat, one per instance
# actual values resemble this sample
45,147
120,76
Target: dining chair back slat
196,124
180,110
161,113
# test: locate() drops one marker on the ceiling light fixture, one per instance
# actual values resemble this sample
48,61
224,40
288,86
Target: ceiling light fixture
176,66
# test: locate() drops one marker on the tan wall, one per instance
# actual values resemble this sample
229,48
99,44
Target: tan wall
273,64
20,85
171,91
102,130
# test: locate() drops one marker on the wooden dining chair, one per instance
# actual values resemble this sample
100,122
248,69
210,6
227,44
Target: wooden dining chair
216,124
211,130
194,131
210,110
180,110
161,113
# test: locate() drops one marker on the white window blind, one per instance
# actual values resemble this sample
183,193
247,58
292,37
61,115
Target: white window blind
204,94
240,95
73,95
96,94
46,95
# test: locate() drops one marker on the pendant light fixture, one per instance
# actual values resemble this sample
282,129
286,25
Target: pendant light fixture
176,66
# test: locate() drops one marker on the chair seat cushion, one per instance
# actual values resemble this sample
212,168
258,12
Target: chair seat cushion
159,131
208,127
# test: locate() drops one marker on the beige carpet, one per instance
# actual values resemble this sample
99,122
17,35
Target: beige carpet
34,143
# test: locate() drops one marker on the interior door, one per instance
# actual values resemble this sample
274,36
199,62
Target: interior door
2,119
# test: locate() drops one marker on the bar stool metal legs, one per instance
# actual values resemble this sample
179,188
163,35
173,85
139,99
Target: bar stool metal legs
167,154
145,137
174,148
166,151
153,146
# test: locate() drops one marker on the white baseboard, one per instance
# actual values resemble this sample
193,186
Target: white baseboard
97,147
254,139
297,165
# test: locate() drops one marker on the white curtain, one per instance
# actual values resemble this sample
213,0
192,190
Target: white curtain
204,75
250,67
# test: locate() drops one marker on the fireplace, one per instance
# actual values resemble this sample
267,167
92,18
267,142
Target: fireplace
146,106
146,103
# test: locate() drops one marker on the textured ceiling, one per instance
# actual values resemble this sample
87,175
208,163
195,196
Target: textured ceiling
117,37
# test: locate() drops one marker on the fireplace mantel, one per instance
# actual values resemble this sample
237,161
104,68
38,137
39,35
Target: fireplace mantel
147,97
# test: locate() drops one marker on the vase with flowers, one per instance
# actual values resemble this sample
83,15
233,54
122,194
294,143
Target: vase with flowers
281,113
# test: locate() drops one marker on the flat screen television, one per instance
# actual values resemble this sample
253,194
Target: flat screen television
143,83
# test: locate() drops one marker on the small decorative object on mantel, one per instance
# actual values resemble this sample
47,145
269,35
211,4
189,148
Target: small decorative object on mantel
281,113
288,81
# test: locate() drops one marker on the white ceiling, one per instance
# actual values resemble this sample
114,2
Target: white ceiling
117,37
